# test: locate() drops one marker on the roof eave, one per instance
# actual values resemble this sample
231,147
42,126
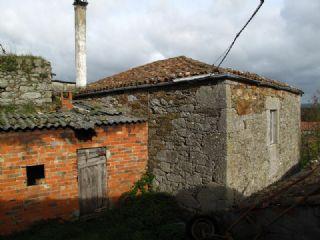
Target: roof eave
265,84
196,78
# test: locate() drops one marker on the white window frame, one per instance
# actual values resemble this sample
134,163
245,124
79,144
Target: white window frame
273,107
273,126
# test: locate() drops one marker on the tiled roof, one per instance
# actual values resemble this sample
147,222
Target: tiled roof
81,117
301,188
169,70
310,126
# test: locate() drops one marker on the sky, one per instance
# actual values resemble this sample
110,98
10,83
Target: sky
281,43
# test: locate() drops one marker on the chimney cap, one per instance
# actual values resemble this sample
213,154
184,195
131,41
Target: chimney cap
80,3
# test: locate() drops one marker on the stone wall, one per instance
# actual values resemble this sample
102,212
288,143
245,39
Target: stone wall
214,134
253,163
24,79
187,132
187,136
62,86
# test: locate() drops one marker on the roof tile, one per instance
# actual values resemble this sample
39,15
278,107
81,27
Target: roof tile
81,117
167,70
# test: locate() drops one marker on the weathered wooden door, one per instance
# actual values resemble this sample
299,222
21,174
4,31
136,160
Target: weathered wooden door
92,179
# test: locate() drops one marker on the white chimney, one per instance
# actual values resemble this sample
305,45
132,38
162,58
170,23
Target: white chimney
80,7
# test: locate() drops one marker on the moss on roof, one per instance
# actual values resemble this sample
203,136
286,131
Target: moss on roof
170,69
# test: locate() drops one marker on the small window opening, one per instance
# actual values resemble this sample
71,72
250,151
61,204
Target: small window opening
85,135
273,127
35,175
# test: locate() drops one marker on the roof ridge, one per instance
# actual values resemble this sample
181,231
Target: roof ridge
166,70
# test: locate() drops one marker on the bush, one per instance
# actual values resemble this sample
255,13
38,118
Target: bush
310,140
310,148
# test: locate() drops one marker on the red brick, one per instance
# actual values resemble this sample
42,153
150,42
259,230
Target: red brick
58,196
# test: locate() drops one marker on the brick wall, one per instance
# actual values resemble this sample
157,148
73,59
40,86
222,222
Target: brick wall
57,195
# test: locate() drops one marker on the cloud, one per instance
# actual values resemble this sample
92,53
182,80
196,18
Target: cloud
280,43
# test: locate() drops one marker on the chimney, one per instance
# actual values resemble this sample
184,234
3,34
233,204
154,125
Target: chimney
66,101
80,7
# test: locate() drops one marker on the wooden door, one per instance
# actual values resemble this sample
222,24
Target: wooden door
92,179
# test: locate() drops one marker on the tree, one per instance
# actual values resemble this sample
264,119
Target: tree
310,141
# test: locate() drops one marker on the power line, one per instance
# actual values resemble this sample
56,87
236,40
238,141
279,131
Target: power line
225,53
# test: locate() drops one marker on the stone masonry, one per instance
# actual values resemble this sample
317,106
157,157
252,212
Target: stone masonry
252,162
24,79
214,134
187,146
187,136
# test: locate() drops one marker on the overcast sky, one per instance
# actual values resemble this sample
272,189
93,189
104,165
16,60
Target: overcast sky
281,43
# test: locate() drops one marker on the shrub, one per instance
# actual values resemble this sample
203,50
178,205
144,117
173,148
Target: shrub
310,140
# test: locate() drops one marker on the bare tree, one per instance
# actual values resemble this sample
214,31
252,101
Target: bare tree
2,49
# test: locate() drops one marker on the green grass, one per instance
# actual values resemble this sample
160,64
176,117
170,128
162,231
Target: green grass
27,108
30,108
9,63
148,217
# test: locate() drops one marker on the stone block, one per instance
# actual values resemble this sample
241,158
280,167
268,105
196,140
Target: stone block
165,167
212,197
31,95
174,177
179,123
3,83
186,200
6,95
187,108
24,89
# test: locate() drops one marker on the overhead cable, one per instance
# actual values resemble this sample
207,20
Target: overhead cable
225,54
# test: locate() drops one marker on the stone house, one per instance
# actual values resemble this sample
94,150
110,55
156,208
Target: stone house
208,125
205,126
63,163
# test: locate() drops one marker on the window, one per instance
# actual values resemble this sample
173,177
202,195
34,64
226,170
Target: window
273,134
34,175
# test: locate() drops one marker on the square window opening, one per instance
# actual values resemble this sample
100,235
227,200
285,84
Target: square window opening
273,127
35,175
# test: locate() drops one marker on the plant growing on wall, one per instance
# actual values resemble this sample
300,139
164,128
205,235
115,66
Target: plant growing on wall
8,63
140,187
143,185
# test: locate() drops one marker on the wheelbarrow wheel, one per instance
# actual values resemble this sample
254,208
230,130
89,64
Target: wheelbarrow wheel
201,228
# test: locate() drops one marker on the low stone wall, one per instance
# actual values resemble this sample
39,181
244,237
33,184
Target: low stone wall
24,79
62,86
